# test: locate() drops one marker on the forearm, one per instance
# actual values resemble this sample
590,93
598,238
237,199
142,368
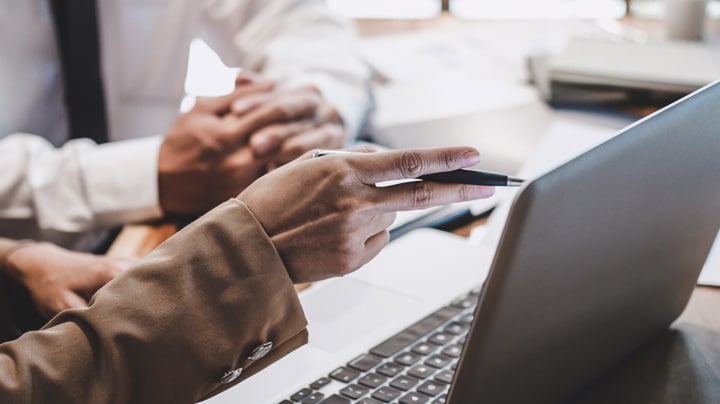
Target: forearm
168,329
6,247
77,187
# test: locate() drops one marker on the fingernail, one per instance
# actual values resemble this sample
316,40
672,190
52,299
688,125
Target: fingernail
240,106
480,192
259,145
471,157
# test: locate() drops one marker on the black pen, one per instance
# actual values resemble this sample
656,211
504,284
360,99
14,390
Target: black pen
461,176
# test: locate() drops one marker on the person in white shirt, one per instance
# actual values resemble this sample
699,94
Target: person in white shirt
314,93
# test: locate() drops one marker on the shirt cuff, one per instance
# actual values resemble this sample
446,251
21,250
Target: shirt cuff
121,178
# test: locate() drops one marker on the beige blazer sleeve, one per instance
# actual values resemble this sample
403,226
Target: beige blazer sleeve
176,328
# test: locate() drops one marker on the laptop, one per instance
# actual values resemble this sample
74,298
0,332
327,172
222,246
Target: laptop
596,257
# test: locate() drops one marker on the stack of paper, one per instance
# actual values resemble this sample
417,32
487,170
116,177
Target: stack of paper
592,71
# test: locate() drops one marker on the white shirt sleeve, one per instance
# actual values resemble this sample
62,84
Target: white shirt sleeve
297,43
79,187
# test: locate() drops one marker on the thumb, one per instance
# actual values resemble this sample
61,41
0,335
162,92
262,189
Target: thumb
72,300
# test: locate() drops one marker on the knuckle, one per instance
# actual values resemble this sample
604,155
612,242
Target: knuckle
422,194
463,193
281,110
450,160
410,164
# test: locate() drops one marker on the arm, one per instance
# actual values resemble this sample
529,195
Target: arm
298,43
184,323
193,309
51,193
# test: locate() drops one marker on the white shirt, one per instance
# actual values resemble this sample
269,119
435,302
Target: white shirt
56,194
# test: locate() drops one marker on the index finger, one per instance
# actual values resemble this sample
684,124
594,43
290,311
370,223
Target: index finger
411,163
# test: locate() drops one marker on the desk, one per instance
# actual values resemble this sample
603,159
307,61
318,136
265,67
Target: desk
680,365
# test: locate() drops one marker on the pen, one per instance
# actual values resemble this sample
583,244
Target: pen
461,176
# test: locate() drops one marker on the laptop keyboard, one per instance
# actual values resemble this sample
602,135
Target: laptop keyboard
414,366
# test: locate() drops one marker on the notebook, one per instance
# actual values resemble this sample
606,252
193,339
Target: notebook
596,257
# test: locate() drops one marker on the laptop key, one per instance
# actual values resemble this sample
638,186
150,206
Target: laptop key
372,380
400,341
421,371
368,400
345,375
423,348
313,398
431,388
438,361
354,391
390,369
466,319
300,395
445,376
335,399
440,338
456,328
452,351
404,382
407,358
365,362
414,398
386,394
320,383
440,400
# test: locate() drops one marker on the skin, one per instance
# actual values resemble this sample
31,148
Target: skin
327,217
223,144
59,279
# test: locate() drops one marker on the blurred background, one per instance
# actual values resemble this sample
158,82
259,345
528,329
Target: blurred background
500,75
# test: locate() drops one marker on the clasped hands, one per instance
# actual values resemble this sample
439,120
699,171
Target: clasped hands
224,143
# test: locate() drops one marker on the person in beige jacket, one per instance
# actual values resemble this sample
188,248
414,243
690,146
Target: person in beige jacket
215,303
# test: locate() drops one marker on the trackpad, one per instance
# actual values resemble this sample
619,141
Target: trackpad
350,312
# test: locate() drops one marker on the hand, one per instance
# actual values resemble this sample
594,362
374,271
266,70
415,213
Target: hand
283,142
326,216
205,157
59,279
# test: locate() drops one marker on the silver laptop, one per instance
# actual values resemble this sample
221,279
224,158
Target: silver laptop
596,257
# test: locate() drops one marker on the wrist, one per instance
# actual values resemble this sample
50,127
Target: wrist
13,262
7,249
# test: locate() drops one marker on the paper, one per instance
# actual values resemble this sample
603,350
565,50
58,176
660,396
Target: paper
710,274
670,66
